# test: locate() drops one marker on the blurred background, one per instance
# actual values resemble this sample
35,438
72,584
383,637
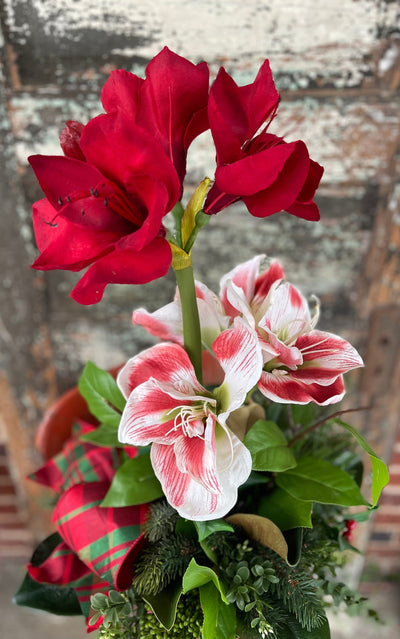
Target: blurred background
337,67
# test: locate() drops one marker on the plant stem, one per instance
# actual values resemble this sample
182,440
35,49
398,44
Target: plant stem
190,318
308,430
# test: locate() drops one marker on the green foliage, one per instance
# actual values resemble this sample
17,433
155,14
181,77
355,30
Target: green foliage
268,447
102,394
133,483
161,521
318,480
120,613
161,563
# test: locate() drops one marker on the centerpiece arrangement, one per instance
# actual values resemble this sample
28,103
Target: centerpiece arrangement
203,489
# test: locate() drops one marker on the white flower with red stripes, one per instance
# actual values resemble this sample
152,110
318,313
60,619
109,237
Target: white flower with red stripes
199,461
301,364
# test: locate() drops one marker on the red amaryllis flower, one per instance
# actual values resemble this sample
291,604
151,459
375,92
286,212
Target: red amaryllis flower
105,211
263,170
171,103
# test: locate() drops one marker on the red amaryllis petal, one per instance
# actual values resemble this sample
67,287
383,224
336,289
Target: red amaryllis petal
307,211
53,235
70,138
282,388
123,267
127,149
60,177
311,184
173,101
285,189
257,172
236,113
121,92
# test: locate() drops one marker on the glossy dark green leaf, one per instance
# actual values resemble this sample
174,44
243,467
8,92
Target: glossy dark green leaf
102,394
134,483
219,618
286,511
268,447
104,435
165,603
206,528
315,479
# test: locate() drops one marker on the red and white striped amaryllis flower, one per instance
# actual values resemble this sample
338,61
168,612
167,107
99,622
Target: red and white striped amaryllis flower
199,461
300,364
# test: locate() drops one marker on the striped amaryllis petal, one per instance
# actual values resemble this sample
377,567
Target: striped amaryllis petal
325,356
266,282
279,386
197,457
165,362
106,540
149,416
244,276
238,352
190,498
165,322
288,315
213,319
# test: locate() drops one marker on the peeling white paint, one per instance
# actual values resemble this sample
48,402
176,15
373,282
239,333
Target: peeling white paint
389,59
304,39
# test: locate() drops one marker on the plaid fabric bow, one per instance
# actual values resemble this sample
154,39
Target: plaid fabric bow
98,545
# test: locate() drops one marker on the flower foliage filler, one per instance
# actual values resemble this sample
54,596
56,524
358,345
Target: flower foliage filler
208,495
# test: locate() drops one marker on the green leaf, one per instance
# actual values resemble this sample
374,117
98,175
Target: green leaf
101,392
165,603
134,483
286,511
315,479
303,414
219,618
268,447
292,629
294,540
58,600
380,474
206,528
104,435
196,576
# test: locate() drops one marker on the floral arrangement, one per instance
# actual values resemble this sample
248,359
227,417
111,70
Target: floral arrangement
204,491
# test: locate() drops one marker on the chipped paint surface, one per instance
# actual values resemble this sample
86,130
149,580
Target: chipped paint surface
309,43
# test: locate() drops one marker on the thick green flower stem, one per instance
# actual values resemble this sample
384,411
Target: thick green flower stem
190,318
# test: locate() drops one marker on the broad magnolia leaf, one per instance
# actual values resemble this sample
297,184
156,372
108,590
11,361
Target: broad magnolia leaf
380,474
102,394
134,483
219,618
262,530
286,511
268,447
315,479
